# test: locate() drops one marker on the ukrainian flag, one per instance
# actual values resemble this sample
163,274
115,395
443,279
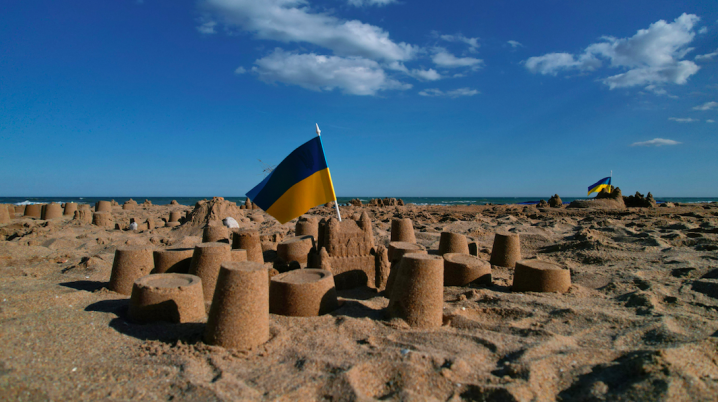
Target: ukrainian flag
300,182
600,185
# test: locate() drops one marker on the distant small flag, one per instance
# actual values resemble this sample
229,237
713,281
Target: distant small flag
600,185
300,182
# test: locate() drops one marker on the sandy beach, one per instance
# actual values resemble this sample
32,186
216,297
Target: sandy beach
639,322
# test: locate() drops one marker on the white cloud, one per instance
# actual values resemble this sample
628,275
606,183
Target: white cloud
426,75
363,3
707,56
707,106
703,30
452,94
240,70
651,56
443,58
293,21
656,142
352,75
472,42
514,44
207,27
710,121
552,63
683,119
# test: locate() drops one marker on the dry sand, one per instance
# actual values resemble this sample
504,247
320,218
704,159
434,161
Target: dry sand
640,321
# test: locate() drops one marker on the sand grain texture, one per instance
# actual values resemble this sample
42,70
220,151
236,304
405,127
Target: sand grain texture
639,322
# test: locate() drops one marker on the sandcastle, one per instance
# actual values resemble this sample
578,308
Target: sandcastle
295,249
83,215
33,211
51,211
175,298
174,260
395,252
239,316
506,250
307,226
70,209
130,263
20,209
215,232
248,239
303,293
346,249
103,219
129,204
540,276
206,261
462,270
453,243
103,206
174,219
402,230
5,216
418,293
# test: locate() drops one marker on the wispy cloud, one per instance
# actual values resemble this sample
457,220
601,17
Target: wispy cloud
351,75
292,21
366,3
472,42
656,142
707,56
683,119
451,94
443,58
207,28
240,70
710,121
650,57
707,106
514,44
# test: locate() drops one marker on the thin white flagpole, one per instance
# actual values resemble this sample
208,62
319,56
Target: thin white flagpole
336,203
611,186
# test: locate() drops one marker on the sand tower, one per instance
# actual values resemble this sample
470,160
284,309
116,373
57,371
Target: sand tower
239,316
303,293
418,293
33,211
206,260
173,260
130,263
307,226
248,239
463,269
175,298
51,211
402,230
506,250
103,206
453,243
346,249
540,276
70,209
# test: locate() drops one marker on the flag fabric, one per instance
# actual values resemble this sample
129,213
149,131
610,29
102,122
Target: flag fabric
600,185
300,182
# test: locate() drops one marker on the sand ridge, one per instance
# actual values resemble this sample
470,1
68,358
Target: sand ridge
640,321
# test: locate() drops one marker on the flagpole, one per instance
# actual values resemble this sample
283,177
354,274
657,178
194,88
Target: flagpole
336,203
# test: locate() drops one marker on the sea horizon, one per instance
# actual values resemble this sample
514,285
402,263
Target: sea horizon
190,201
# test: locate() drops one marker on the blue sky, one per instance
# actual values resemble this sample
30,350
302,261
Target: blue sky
414,98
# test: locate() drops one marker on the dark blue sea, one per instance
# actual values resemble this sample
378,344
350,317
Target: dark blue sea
342,200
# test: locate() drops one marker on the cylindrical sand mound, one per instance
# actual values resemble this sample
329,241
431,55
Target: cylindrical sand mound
396,250
33,211
303,293
295,249
215,233
130,263
402,230
51,211
453,243
167,297
418,293
103,206
70,209
248,239
540,276
174,260
206,260
506,250
239,316
463,269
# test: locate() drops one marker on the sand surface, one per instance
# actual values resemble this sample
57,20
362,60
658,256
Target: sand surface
640,321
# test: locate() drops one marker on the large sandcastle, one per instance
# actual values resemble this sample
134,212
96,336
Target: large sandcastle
206,211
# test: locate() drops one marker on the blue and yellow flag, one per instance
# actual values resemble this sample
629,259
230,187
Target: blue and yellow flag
300,182
600,185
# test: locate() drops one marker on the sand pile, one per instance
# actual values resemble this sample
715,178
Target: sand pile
603,200
206,211
638,322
